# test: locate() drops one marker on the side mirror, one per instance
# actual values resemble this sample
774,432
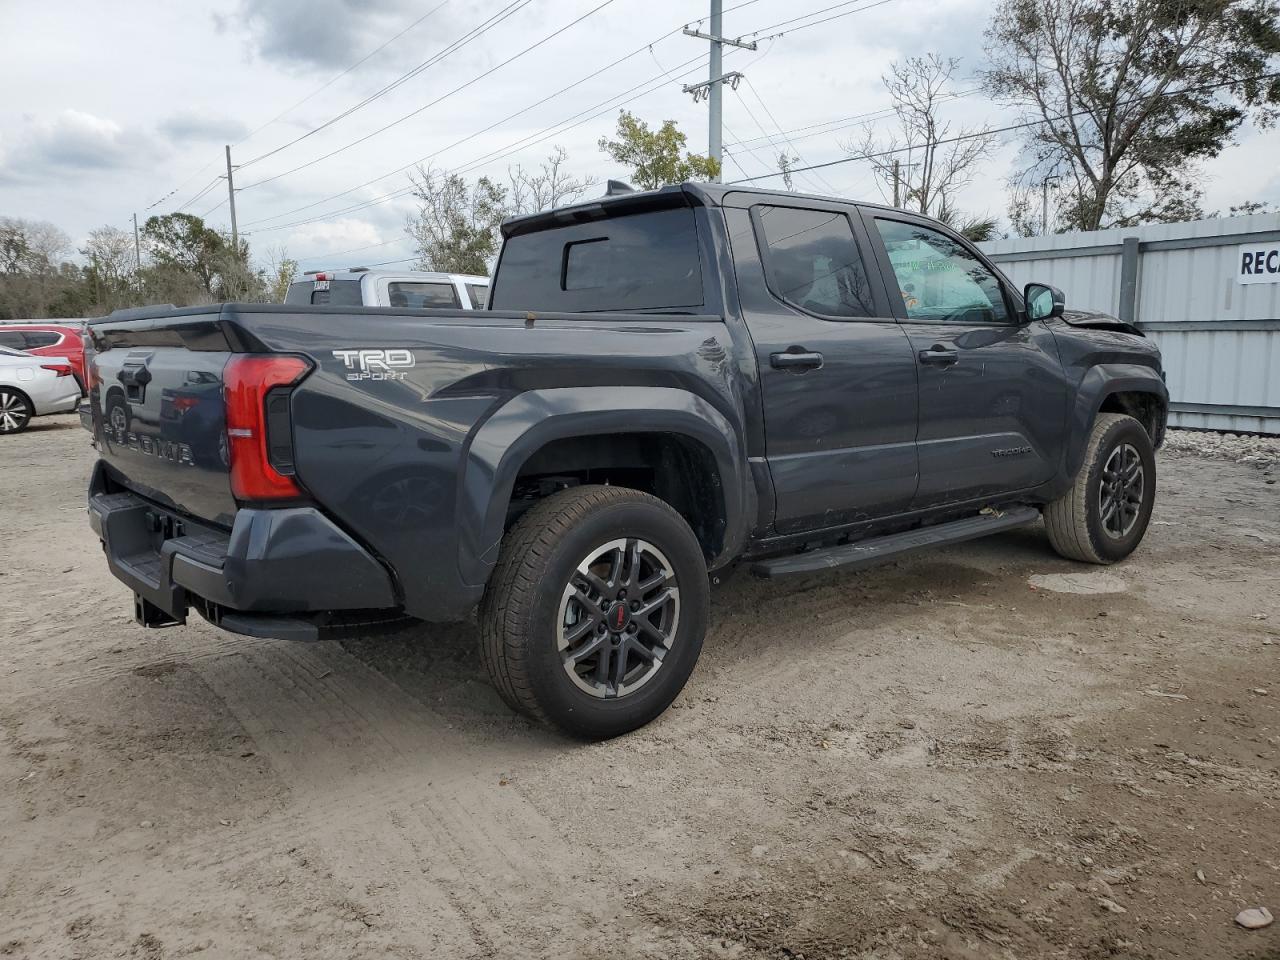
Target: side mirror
1043,301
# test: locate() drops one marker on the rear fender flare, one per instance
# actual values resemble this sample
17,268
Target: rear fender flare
1098,383
519,428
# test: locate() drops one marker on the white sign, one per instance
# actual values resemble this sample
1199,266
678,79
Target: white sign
1258,262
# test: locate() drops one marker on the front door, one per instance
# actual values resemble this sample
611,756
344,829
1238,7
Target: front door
993,397
837,375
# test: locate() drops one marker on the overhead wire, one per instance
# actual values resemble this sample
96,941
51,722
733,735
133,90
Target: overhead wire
432,103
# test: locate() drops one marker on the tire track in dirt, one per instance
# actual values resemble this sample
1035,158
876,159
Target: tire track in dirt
402,808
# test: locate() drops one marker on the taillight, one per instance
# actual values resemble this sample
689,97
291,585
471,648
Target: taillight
61,369
183,404
256,391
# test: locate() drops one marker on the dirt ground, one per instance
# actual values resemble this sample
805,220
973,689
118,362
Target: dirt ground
987,752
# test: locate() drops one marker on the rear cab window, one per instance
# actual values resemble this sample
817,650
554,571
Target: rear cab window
337,293
647,260
421,295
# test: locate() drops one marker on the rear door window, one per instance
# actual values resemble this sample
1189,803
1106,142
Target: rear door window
478,292
812,261
642,261
41,338
14,339
422,296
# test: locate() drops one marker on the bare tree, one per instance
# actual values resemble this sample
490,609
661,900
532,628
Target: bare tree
931,158
279,273
548,187
110,253
456,226
1124,97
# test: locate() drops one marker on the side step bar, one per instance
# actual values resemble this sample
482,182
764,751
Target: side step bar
865,553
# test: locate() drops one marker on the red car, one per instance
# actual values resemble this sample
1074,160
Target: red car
49,340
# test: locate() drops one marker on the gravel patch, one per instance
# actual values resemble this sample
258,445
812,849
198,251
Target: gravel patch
1236,447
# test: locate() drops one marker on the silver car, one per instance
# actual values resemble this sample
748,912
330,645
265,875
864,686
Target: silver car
32,386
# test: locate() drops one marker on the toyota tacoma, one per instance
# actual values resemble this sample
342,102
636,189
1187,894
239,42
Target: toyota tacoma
664,384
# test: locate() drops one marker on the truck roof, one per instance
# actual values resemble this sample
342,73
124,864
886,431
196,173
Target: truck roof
355,273
620,200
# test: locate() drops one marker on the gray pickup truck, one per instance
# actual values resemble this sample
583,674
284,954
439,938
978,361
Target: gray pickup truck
664,384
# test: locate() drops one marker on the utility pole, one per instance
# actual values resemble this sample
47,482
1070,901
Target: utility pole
231,196
137,247
1044,205
713,88
897,181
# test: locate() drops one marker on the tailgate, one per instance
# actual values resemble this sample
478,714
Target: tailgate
159,413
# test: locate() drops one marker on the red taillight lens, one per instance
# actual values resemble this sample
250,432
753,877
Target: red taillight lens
61,369
183,404
246,381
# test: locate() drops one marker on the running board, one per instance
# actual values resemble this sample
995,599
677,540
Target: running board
865,553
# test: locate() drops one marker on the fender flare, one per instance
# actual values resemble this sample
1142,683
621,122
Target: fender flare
531,420
1099,382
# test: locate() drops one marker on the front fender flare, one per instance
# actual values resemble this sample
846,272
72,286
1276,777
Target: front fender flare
1098,383
519,428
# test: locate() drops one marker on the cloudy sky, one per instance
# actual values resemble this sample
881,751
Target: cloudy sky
112,108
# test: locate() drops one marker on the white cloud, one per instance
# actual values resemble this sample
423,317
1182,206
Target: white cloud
73,140
317,239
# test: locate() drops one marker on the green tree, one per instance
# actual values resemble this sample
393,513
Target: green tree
183,243
1128,96
456,226
656,157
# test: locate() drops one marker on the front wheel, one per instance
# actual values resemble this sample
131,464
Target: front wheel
1104,515
15,411
595,614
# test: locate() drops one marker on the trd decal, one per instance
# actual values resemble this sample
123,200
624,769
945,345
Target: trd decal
376,364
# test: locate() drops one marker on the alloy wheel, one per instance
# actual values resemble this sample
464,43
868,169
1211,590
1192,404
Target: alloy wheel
1121,491
14,412
618,618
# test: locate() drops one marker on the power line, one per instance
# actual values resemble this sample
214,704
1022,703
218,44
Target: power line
959,138
452,47
468,138
481,132
546,133
457,89
324,86
553,130
286,111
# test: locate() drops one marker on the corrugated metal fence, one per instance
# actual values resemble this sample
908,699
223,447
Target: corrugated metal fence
1182,284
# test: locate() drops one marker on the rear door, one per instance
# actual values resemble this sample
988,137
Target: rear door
993,397
837,374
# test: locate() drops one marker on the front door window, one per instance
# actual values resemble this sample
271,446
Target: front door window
940,281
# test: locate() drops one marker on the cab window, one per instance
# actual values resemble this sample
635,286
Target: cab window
939,280
422,296
812,261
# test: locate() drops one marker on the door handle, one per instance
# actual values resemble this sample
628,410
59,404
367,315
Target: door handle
796,359
939,355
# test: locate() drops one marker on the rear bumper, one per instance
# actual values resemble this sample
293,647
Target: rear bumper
288,572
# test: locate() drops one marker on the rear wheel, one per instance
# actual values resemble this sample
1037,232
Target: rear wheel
595,614
1104,515
15,411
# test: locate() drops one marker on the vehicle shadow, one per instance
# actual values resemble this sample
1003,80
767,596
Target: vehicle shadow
439,664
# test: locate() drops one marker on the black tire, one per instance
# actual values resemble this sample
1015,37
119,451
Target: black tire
1080,525
534,593
16,411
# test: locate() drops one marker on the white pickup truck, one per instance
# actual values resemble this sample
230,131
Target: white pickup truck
408,289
